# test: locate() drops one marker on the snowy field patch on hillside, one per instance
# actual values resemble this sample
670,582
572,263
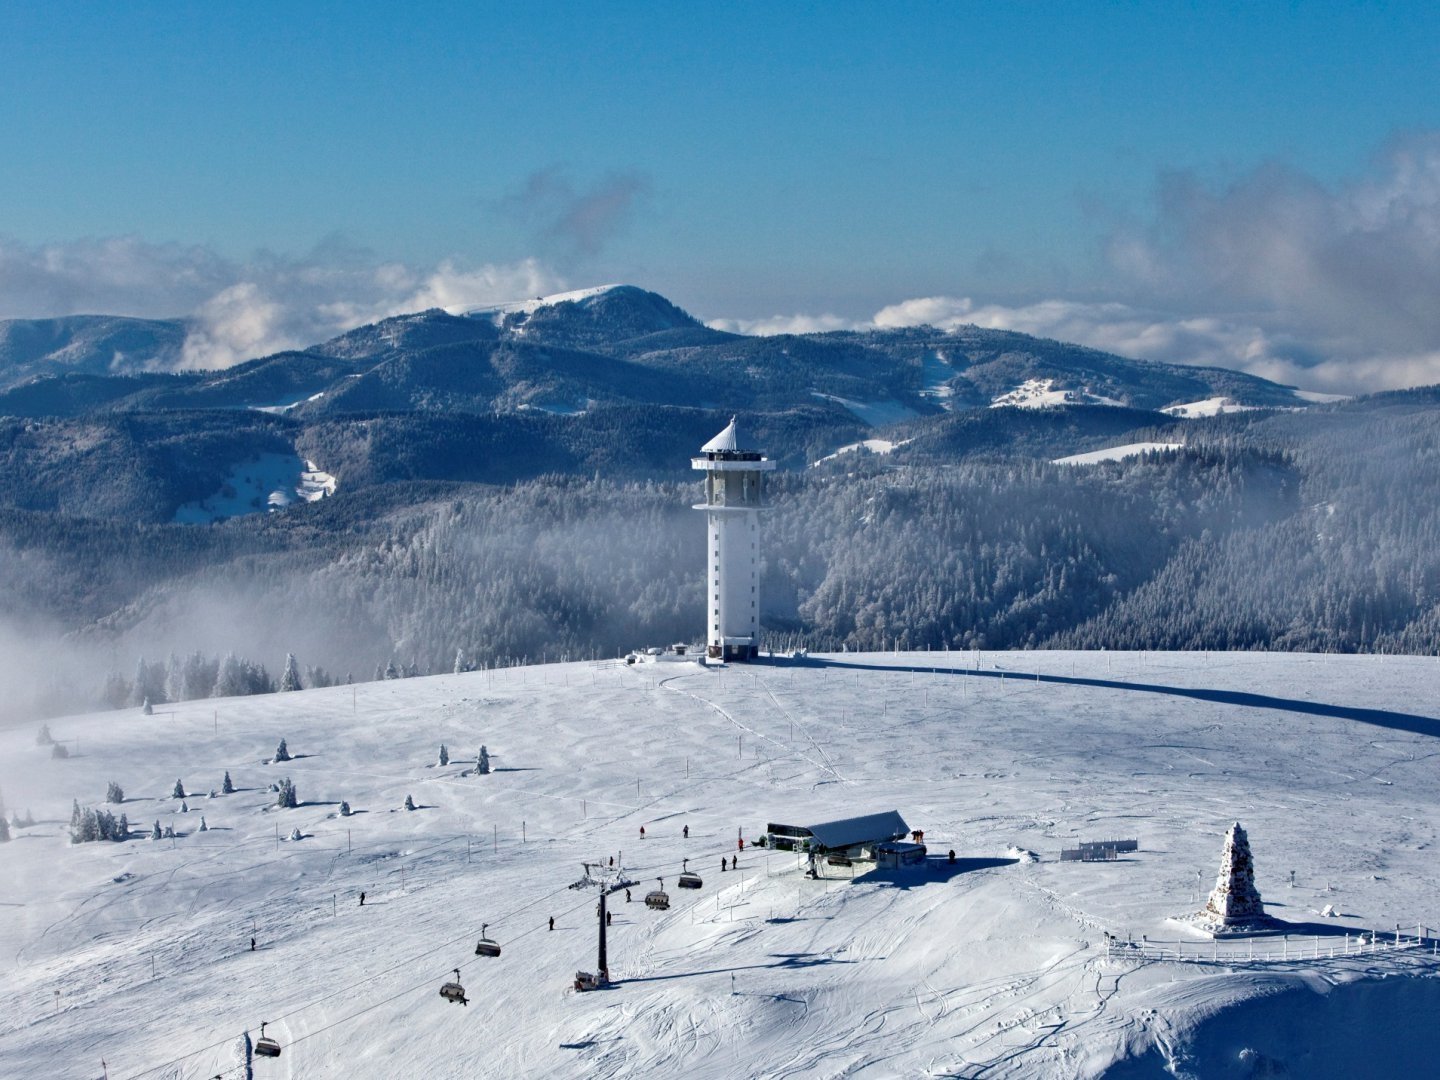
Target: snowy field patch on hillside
1215,406
495,312
1117,453
873,446
266,482
989,965
936,372
1041,393
874,413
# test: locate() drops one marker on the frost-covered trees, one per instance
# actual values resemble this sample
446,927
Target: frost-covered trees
114,793
203,826
462,665
482,762
285,796
444,755
282,752
238,677
43,736
88,825
4,829
290,678
295,834
344,808
155,833
116,692
146,708
179,792
409,803
149,684
226,787
391,672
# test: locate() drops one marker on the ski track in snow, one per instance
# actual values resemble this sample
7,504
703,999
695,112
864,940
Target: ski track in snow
996,971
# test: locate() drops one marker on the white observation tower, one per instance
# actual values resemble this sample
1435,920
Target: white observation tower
733,501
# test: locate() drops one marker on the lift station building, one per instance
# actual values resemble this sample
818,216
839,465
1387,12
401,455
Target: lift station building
852,838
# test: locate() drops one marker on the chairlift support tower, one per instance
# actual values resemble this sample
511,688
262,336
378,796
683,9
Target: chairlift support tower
734,497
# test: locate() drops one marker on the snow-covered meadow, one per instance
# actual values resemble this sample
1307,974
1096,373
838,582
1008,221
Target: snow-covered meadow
138,953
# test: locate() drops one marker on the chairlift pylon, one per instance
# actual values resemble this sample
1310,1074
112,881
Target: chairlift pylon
687,879
454,992
266,1047
658,899
485,946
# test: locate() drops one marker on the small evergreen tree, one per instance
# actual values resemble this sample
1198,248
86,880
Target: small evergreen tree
285,795
203,826
184,807
461,665
155,832
344,808
122,830
444,755
169,832
147,709
409,803
116,692
43,737
295,834
227,787
482,762
290,678
282,752
4,830
114,793
390,670
179,792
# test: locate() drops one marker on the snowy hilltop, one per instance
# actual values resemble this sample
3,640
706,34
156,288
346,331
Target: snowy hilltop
324,861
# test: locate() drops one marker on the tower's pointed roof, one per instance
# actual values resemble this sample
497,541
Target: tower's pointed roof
728,439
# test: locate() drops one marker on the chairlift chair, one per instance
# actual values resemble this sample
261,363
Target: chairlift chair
689,880
454,992
658,899
485,946
265,1047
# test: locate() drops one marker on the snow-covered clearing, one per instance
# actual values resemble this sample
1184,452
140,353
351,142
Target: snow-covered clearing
937,371
874,413
529,307
1117,453
1041,393
265,482
138,952
874,446
1214,406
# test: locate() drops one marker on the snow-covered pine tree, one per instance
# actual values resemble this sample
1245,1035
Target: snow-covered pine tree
295,834
227,788
122,830
114,793
390,670
444,755
155,833
285,796
482,762
409,803
169,832
43,737
290,678
74,814
179,792
116,692
4,829
282,752
379,672
203,826
344,808
184,807
146,708
461,666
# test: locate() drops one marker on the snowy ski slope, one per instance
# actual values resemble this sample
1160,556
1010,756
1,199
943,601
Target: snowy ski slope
137,953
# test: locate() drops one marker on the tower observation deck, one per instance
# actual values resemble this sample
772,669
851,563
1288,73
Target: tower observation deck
734,497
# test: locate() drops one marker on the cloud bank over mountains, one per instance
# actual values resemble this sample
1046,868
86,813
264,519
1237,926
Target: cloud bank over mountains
1273,273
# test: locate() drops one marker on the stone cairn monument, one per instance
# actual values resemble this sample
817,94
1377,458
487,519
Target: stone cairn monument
1234,906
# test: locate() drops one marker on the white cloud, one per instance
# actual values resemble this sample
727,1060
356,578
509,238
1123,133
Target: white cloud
239,310
785,324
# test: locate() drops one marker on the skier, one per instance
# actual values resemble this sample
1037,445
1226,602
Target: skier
252,944
686,832
609,917
722,864
627,896
362,899
741,842
642,832
612,860
734,862
552,922
952,856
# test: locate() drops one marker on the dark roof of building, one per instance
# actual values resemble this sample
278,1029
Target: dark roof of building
860,830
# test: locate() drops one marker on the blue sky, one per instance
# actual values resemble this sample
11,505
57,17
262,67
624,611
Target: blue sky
747,160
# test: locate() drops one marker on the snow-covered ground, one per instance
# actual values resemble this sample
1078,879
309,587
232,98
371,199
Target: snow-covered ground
265,482
1214,406
938,371
875,413
1117,453
138,953
529,307
874,446
1041,393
